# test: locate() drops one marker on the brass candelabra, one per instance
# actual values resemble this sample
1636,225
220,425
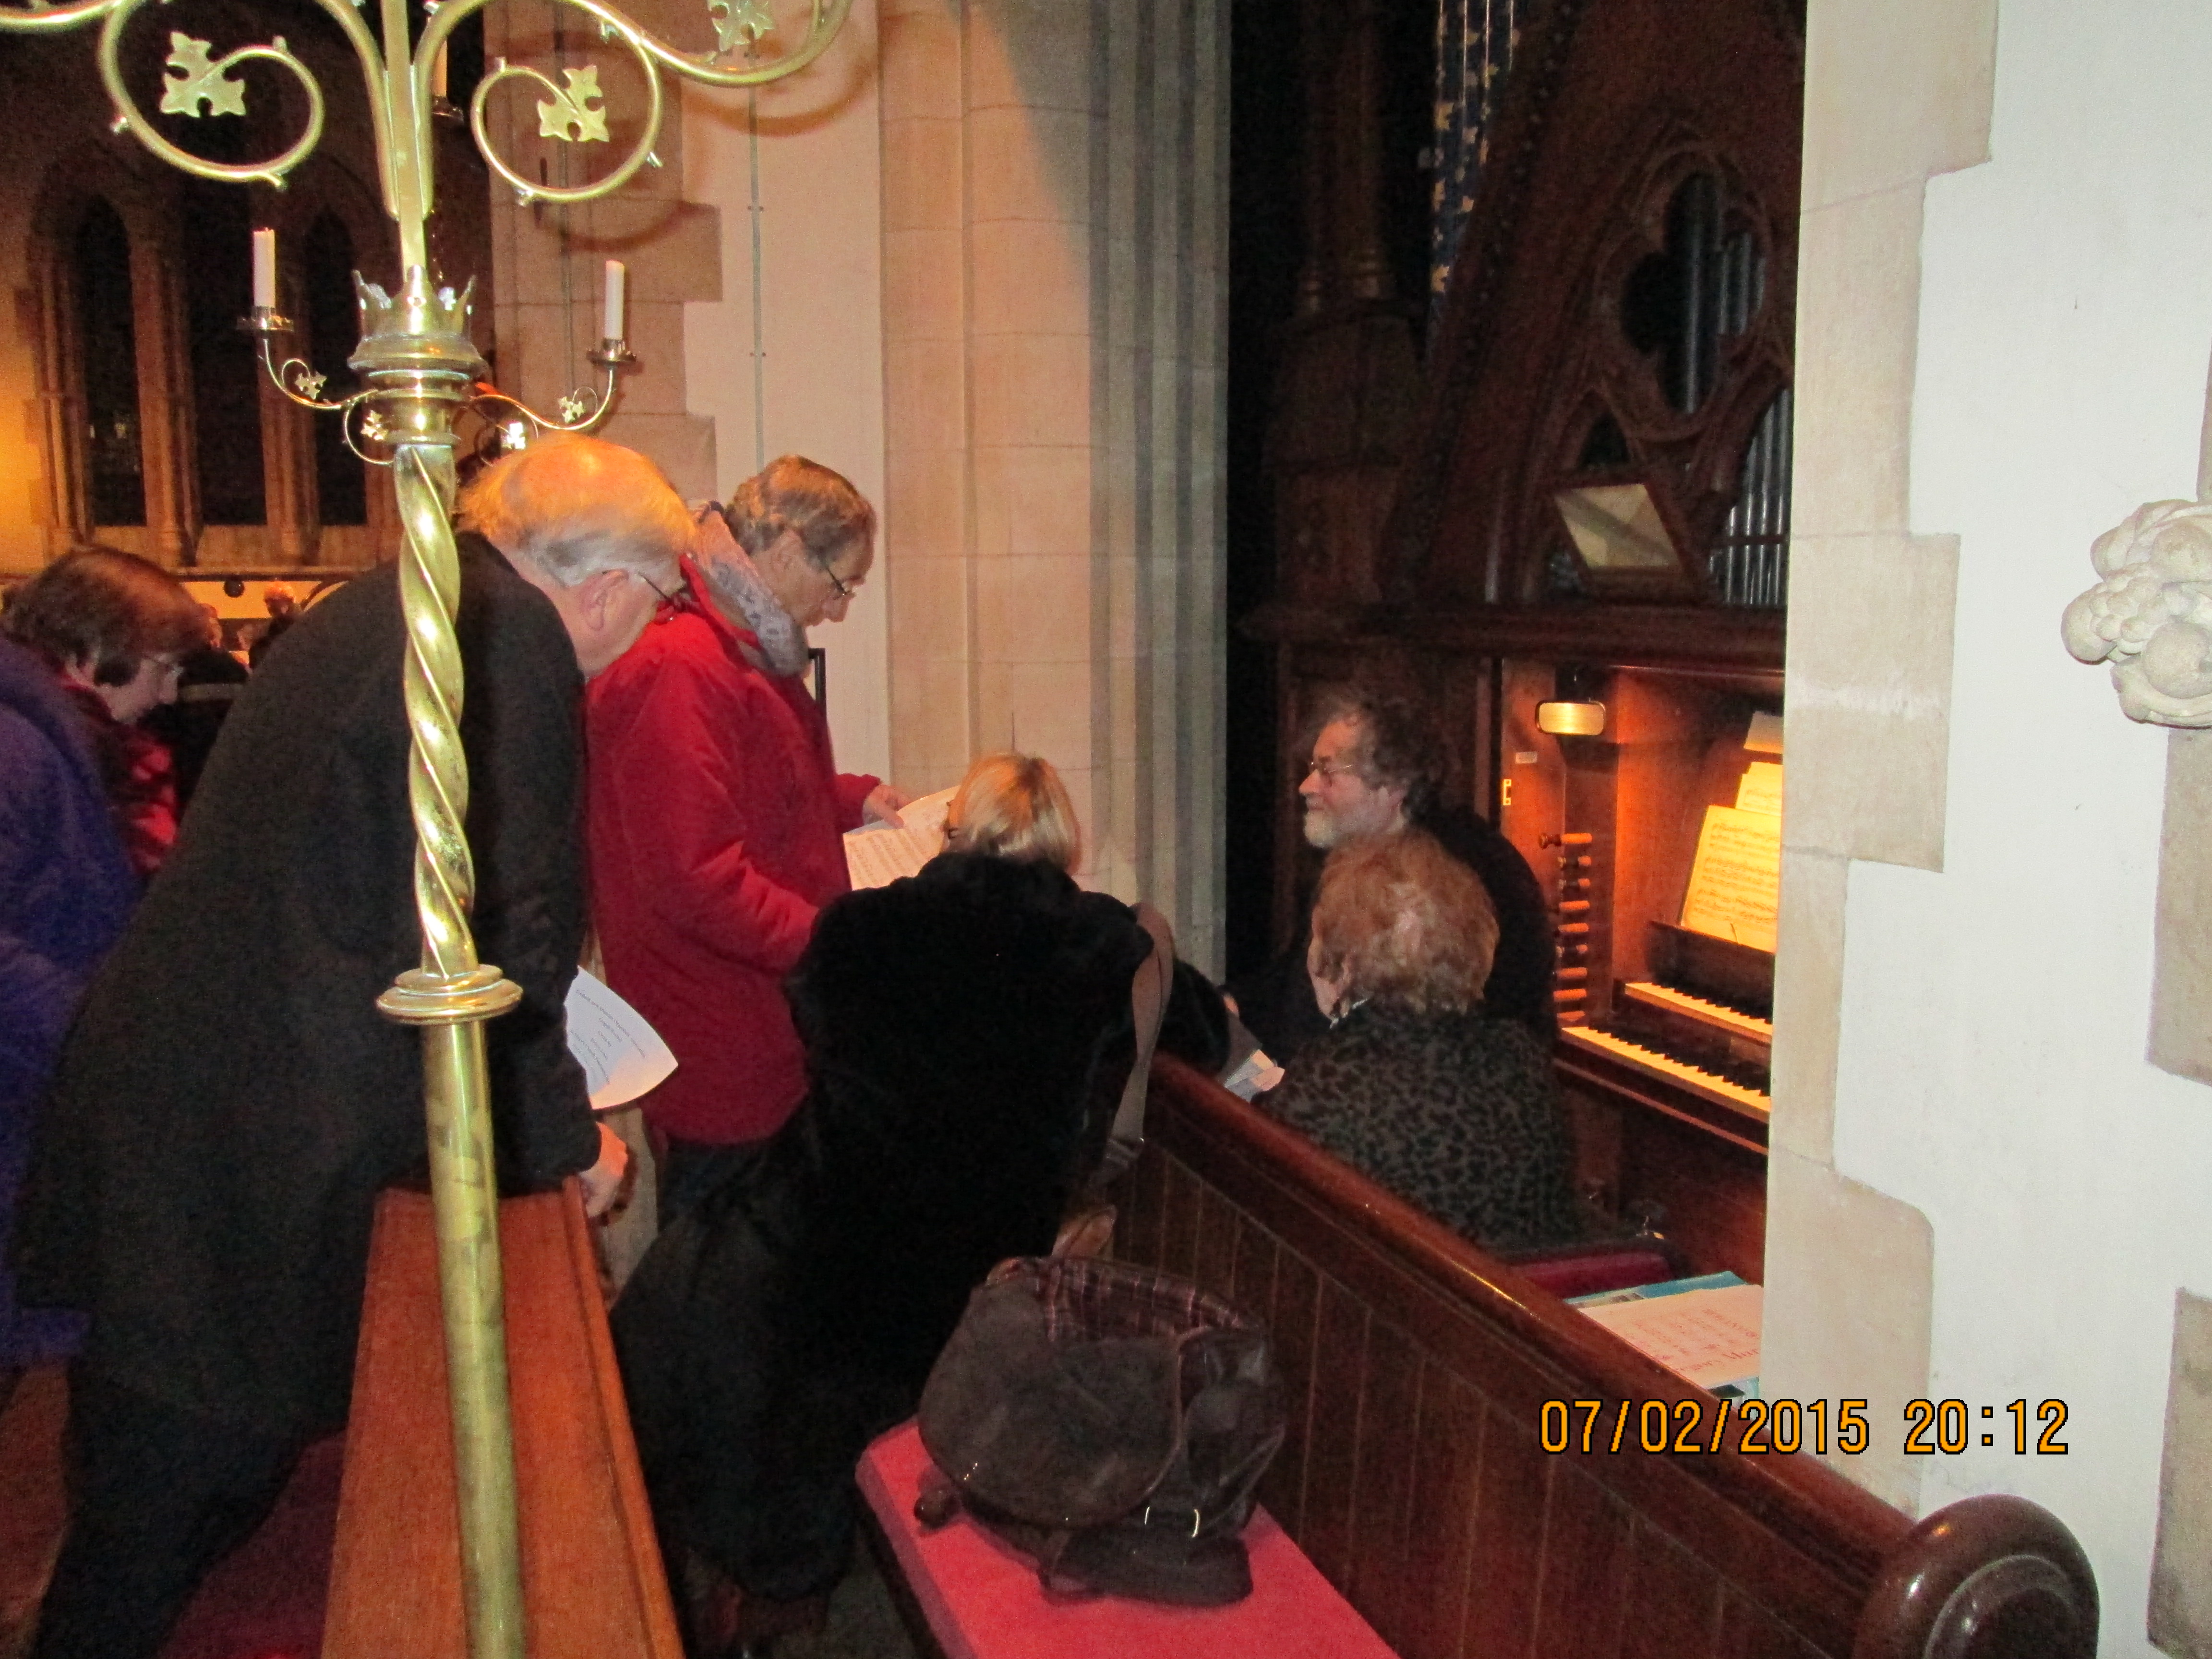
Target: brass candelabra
419,368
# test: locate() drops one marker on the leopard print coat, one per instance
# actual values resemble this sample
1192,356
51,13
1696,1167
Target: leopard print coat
1458,1113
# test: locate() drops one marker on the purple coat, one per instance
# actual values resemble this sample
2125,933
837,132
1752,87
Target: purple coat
65,891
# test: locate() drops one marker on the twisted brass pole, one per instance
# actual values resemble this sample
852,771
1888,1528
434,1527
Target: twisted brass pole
416,356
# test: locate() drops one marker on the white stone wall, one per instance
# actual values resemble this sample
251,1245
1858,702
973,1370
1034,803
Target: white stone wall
1978,1176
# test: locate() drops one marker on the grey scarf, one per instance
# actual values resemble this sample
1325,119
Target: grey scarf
742,596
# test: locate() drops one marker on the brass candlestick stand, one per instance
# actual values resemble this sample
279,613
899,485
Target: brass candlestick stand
419,368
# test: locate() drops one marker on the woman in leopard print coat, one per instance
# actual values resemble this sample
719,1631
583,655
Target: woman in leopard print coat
1452,1109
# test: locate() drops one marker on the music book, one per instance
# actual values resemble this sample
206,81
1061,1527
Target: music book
1709,1337
621,1055
877,854
1735,885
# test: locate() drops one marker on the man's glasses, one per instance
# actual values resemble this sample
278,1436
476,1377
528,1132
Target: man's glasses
1326,769
845,589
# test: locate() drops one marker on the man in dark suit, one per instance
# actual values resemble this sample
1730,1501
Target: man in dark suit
1376,767
230,1100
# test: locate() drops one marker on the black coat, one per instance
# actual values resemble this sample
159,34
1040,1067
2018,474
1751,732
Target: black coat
230,1100
968,1037
1277,1003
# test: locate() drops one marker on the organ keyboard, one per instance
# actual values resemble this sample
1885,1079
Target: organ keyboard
1693,1039
1711,1085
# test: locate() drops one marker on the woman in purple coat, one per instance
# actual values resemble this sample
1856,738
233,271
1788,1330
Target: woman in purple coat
65,891
87,645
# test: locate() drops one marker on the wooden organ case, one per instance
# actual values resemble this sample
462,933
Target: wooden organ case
1591,513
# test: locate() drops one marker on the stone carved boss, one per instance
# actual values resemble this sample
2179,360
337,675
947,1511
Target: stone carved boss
2151,616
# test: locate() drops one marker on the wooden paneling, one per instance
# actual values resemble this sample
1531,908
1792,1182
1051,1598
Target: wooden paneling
1415,1369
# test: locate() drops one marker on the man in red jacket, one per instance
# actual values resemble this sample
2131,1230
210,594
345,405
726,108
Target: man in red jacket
716,813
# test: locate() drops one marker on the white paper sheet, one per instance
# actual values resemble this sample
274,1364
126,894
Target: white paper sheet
1708,1337
621,1055
879,854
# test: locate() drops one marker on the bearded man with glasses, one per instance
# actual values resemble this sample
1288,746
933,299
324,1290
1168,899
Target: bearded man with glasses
1375,768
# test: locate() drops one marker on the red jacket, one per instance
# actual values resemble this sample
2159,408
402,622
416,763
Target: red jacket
716,814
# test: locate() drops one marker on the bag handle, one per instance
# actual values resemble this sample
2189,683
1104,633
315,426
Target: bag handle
1148,1002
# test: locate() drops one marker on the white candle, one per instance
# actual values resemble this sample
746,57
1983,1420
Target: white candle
437,75
610,321
265,271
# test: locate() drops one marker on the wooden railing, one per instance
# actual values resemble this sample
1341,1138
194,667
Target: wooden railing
1418,1367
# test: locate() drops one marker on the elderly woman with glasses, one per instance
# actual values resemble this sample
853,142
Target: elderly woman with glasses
716,811
969,1033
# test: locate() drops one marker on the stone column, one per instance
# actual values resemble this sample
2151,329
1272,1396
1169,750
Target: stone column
66,487
293,504
1054,213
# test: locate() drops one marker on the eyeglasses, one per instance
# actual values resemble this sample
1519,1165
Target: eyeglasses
1326,769
845,589
667,597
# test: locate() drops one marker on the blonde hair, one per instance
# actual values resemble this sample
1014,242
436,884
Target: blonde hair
1403,922
577,506
1016,806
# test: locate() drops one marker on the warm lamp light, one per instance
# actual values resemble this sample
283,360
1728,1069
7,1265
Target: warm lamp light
1570,719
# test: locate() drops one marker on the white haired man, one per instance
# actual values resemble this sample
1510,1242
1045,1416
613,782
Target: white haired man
230,1101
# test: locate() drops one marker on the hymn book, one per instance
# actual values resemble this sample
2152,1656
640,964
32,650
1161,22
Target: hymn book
1735,885
877,854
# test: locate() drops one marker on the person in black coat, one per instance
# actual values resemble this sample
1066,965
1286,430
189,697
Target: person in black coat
968,1034
1376,769
230,1100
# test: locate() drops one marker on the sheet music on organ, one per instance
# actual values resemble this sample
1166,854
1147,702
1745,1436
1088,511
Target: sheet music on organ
1735,886
1761,788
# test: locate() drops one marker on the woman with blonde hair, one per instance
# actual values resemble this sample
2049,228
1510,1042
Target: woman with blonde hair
969,1035
1014,806
1452,1108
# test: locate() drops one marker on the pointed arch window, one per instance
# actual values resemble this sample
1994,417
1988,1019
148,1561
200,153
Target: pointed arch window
107,343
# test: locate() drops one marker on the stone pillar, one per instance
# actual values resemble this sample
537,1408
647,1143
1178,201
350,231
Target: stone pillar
1054,288
65,493
292,508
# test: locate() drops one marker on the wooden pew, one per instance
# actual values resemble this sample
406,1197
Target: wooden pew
1414,1477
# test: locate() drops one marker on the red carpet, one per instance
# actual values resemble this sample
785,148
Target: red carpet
266,1602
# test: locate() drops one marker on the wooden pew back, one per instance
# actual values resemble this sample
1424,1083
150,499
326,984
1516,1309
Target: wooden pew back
1414,1475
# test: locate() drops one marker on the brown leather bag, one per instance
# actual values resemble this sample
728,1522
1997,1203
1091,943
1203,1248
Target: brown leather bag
1109,1421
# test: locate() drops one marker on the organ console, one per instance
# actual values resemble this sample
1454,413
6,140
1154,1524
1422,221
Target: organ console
1665,1028
1583,565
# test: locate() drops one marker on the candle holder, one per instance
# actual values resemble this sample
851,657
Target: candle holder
419,370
